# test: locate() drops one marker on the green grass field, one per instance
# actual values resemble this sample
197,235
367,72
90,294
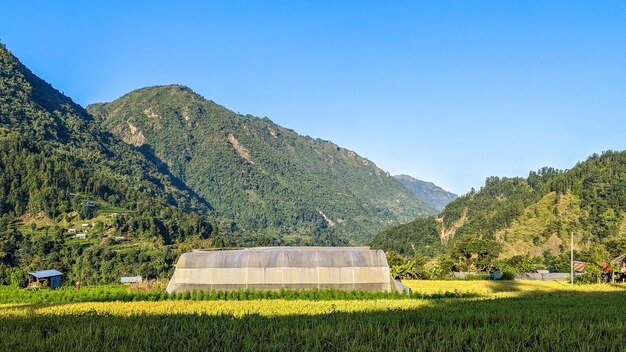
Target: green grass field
509,316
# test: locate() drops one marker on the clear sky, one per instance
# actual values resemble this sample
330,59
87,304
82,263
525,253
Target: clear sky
446,91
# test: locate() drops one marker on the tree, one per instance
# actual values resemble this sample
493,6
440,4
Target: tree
474,254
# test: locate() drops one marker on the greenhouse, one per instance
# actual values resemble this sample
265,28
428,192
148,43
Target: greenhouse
274,268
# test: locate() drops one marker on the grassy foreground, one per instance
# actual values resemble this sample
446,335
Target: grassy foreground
512,316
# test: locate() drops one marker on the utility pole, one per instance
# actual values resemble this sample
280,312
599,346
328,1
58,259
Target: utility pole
571,235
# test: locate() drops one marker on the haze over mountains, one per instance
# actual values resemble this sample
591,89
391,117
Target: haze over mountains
429,192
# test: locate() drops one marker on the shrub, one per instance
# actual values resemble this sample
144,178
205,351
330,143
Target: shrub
592,275
19,278
508,275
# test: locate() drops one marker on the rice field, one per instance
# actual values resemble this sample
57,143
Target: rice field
496,316
508,288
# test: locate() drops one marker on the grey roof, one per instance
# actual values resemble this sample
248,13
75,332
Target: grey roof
45,273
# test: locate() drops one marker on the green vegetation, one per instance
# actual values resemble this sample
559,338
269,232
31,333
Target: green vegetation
113,293
420,236
62,169
268,179
430,193
557,321
526,222
587,200
55,159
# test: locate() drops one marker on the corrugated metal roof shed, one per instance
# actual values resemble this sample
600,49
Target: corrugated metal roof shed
619,259
579,266
42,274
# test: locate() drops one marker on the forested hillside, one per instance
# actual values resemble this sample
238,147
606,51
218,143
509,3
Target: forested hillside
534,215
267,178
60,169
429,192
97,206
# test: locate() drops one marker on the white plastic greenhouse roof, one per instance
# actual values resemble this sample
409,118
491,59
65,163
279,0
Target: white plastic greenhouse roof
269,268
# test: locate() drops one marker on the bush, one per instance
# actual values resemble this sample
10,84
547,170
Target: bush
508,275
19,278
592,275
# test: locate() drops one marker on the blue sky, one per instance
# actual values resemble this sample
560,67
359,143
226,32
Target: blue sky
446,91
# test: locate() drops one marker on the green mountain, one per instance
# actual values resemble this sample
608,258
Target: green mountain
428,192
535,215
59,169
265,177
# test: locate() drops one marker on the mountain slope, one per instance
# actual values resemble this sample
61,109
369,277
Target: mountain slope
267,178
73,153
59,169
537,214
428,192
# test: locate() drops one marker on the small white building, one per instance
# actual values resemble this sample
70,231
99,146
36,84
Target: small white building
80,235
120,239
131,279
71,230
84,225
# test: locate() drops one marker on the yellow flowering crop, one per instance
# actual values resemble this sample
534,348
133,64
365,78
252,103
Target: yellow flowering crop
236,308
500,289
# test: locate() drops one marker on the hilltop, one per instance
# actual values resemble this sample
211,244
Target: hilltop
532,216
267,178
61,169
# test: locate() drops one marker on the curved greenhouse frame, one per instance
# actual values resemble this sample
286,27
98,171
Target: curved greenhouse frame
273,268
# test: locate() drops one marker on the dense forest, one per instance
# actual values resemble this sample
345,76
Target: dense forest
265,177
58,167
528,220
78,198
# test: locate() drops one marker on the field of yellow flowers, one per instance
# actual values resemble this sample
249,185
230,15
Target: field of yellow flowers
507,288
267,308
497,316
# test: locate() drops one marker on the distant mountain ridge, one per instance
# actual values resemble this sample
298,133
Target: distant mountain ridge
265,177
428,192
